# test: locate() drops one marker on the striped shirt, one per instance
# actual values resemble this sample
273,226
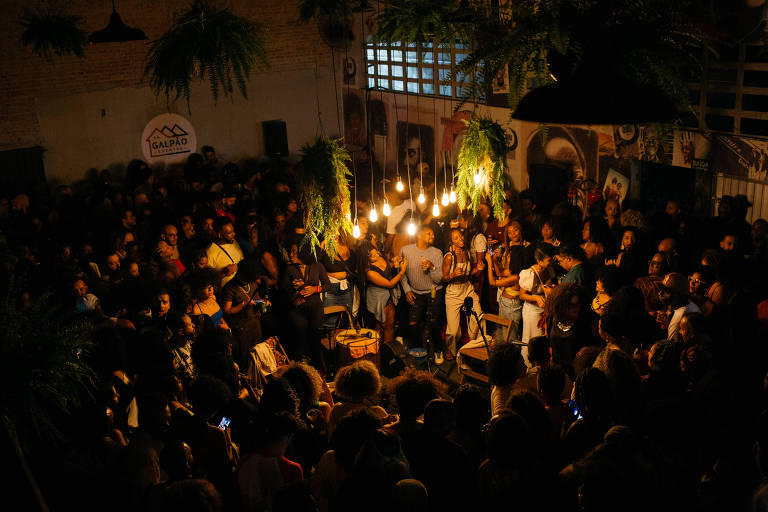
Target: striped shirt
415,280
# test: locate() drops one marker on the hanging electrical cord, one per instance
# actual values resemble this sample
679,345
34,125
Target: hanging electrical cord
445,200
422,198
435,206
411,226
373,215
399,184
339,114
355,226
320,131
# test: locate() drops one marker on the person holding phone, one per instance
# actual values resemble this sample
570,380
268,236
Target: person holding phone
504,273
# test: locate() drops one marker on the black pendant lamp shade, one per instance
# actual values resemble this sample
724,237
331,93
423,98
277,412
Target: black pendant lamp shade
596,97
116,31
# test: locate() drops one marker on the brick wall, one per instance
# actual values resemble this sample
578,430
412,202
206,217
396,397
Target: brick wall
26,78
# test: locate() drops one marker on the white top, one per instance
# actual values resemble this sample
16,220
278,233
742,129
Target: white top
396,215
221,255
478,244
674,323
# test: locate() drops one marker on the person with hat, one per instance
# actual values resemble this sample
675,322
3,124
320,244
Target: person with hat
674,295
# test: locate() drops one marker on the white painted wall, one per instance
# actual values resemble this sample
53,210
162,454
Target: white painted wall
98,129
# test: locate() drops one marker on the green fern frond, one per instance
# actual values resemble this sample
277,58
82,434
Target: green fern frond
484,146
206,41
324,192
49,34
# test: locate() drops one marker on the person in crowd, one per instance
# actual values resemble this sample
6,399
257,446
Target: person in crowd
505,367
530,216
243,306
303,283
548,235
224,253
674,296
358,386
341,273
382,293
457,272
568,323
709,294
170,235
535,285
612,215
495,229
650,285
609,280
424,290
596,241
573,260
203,287
504,269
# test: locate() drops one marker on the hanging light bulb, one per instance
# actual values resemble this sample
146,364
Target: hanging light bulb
452,196
435,209
445,199
386,209
399,185
478,177
411,228
422,198
374,215
356,230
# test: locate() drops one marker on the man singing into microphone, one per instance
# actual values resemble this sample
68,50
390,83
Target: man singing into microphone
424,291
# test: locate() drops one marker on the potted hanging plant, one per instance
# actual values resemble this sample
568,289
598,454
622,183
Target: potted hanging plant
53,33
481,169
323,189
207,43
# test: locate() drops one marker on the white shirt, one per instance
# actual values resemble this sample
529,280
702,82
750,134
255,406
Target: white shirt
221,255
397,214
674,323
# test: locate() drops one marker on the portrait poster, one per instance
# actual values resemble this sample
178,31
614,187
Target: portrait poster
691,150
500,83
655,145
354,121
415,149
616,186
626,141
739,156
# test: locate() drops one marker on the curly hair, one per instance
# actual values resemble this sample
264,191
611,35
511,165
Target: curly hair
559,299
306,381
504,364
413,391
358,381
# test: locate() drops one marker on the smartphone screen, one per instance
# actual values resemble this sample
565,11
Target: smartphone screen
224,423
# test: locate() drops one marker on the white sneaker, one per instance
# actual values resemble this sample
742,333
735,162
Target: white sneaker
439,358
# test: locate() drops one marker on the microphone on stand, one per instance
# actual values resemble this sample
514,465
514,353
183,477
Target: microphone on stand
468,306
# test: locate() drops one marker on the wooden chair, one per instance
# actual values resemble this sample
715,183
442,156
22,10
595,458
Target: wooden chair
474,355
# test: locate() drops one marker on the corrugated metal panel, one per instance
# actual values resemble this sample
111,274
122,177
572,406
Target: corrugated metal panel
756,192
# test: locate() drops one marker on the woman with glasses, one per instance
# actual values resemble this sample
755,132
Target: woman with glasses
708,293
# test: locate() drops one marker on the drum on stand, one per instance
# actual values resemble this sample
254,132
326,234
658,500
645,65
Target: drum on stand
355,344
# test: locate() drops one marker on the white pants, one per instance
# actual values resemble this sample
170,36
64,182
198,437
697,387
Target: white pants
531,316
454,299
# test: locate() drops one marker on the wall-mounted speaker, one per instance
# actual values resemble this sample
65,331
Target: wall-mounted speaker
275,138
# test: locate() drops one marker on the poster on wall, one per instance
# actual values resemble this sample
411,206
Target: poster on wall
740,156
616,186
416,149
655,146
168,138
625,141
691,150
354,117
501,81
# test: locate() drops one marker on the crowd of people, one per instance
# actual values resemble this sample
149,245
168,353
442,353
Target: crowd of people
631,375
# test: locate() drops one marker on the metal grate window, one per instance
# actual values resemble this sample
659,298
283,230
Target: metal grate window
732,95
424,68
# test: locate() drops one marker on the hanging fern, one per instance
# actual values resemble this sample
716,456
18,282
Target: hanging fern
324,192
208,43
416,21
53,33
485,147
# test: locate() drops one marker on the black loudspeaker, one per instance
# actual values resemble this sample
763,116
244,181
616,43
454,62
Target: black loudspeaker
275,138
